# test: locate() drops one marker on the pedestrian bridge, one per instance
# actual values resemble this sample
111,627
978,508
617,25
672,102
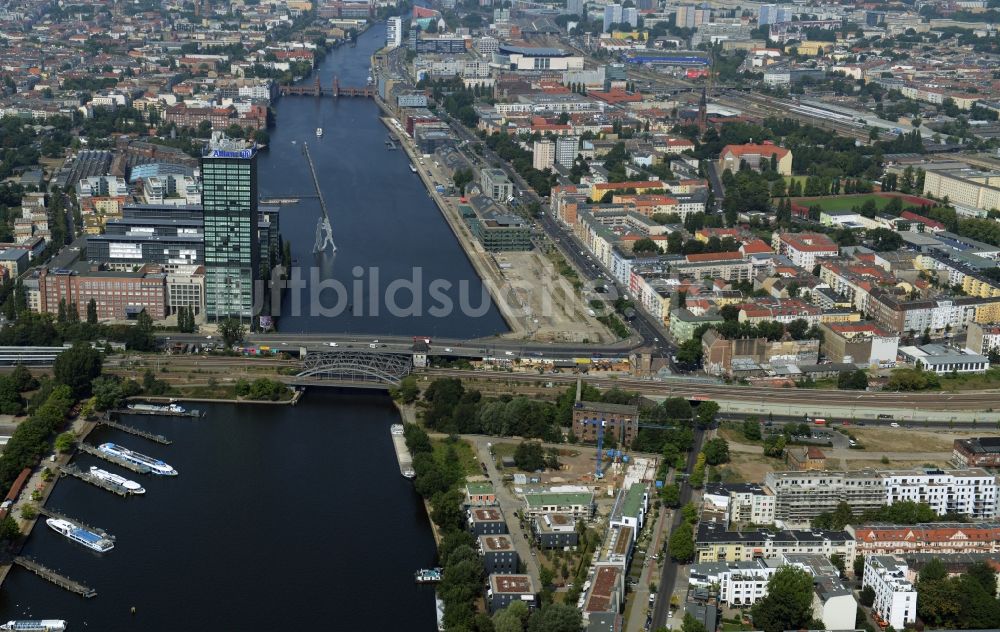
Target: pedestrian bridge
356,366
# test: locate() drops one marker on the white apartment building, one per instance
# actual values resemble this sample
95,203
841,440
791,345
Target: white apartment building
745,503
543,154
567,149
394,32
800,496
105,186
804,248
740,583
971,492
895,597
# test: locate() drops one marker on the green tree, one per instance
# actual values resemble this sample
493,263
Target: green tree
232,331
707,412
774,445
512,618
77,367
408,391
716,451
788,604
92,312
852,380
556,617
751,430
867,596
529,456
682,543
65,442
9,531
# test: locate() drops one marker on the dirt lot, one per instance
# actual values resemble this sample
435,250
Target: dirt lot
904,440
753,467
557,311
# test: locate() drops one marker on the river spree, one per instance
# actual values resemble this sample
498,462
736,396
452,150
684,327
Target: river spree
282,518
385,224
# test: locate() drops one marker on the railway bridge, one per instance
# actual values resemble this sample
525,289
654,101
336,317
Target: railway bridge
316,89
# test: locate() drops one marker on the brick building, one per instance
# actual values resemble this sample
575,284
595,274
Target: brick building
118,295
976,452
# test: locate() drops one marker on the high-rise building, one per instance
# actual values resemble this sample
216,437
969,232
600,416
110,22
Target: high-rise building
394,32
232,250
567,149
612,15
773,14
543,154
631,16
574,7
646,5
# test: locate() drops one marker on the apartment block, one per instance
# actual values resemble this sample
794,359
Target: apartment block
895,597
715,543
743,503
939,538
803,249
971,492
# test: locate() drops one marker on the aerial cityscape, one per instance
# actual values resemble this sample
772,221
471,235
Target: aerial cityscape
500,315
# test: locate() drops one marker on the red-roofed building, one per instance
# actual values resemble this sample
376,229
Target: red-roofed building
714,256
755,247
755,155
676,145
932,225
935,537
615,96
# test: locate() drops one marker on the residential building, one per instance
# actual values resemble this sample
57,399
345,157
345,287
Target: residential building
895,597
607,591
555,531
567,149
740,584
721,356
801,496
774,13
683,323
232,251
938,538
394,32
833,603
499,556
486,521
983,338
743,503
971,492
579,505
630,508
480,494
805,458
495,184
543,154
503,590
756,157
499,232
101,186
612,15
976,452
14,261
969,189
804,248
715,543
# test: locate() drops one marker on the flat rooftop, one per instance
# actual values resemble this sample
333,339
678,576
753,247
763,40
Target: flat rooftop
604,585
496,543
486,514
512,584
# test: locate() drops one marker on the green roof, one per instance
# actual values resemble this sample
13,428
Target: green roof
479,488
633,500
558,499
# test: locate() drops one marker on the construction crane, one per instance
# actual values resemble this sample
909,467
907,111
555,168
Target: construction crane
599,424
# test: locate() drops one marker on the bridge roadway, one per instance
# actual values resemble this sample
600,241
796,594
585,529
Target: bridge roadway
404,344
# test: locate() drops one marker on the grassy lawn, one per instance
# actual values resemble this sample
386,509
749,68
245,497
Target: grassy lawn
466,455
843,202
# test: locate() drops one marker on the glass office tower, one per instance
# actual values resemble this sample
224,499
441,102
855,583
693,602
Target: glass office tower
232,250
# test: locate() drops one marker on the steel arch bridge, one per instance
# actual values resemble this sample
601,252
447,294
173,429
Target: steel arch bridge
357,366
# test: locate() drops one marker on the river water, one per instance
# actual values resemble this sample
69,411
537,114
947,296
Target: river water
282,518
385,225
